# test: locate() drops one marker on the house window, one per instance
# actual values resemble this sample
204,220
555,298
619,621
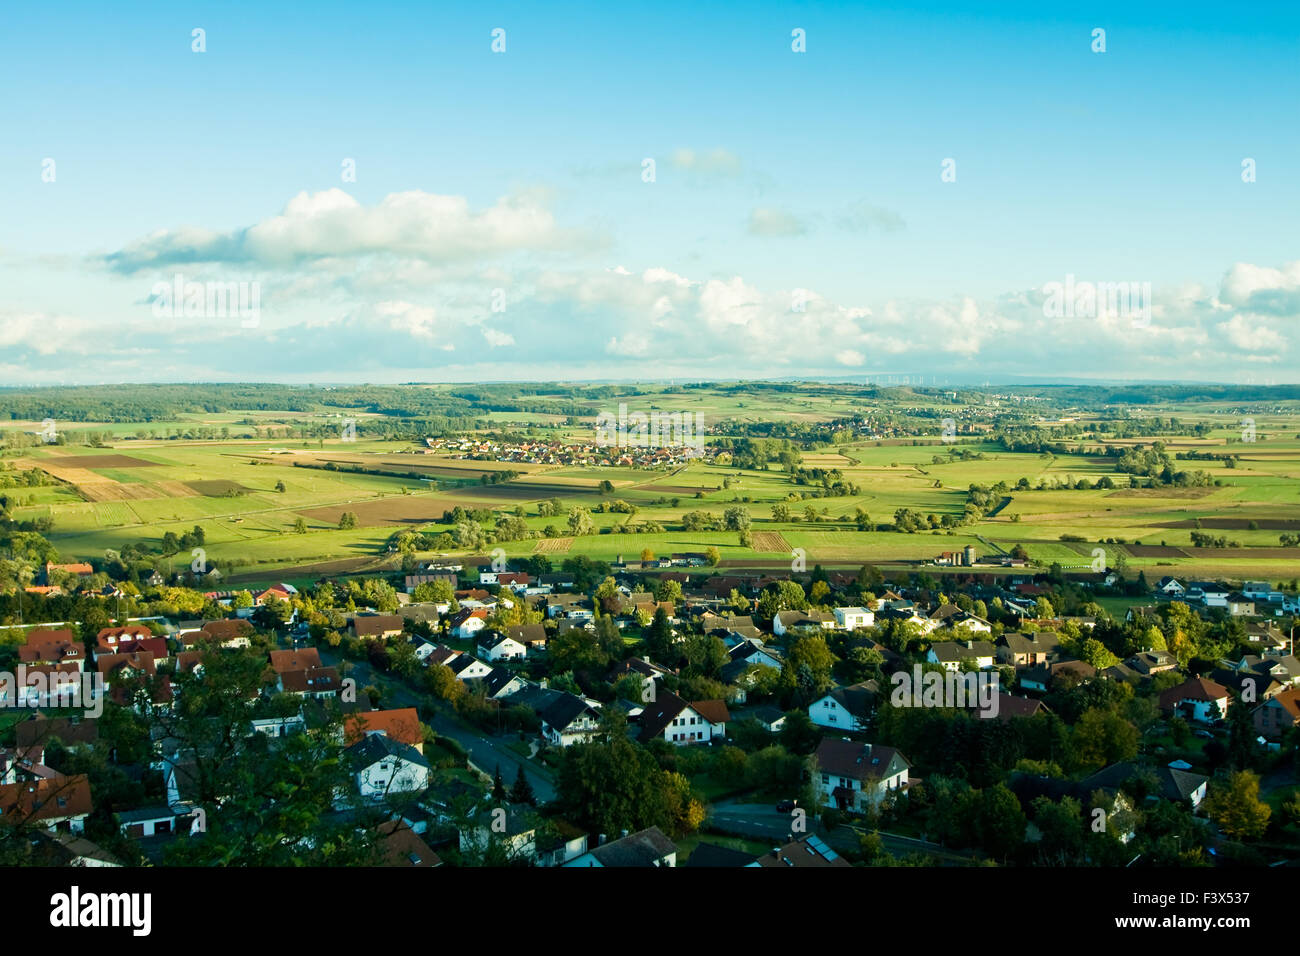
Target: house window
826,778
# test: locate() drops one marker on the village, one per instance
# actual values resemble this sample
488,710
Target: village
461,698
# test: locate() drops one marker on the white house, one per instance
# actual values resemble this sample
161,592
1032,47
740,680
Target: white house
1170,587
647,848
466,667
496,646
467,622
845,708
951,654
383,765
851,618
850,775
513,830
568,720
1199,699
786,621
670,718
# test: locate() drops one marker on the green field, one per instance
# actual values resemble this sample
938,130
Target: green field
141,481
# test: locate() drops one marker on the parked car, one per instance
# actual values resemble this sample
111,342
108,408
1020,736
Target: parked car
786,806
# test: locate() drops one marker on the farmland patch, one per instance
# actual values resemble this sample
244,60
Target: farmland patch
773,541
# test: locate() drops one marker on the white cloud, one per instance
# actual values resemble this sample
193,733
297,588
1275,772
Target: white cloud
713,162
315,226
769,222
496,338
1261,289
1250,337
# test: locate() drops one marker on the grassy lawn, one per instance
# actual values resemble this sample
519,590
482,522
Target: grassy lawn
686,846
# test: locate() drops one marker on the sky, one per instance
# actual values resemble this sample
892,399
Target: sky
648,191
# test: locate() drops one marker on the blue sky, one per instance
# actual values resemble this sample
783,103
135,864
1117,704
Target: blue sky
780,178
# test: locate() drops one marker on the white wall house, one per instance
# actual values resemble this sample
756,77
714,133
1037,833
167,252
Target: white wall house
498,647
851,776
851,618
385,766
844,708
468,627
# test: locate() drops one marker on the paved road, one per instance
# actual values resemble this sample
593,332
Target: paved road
486,752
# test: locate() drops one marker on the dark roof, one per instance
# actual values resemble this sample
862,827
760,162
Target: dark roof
376,747
659,713
563,710
805,852
40,729
847,758
858,699
713,855
641,849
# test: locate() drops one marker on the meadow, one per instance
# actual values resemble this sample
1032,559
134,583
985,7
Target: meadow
139,484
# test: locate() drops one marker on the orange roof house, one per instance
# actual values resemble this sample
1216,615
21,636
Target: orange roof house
401,725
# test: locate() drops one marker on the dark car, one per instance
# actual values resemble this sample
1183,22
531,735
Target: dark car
786,806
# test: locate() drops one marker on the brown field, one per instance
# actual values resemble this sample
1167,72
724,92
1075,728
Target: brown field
1237,524
320,569
1154,551
552,545
519,491
176,489
1292,554
771,541
213,487
105,461
396,510
1162,493
111,491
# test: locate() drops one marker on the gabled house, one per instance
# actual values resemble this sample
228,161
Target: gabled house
515,832
501,683
467,622
55,803
846,708
401,846
1028,650
46,646
849,775
377,626
646,848
495,646
384,766
567,720
468,668
531,636
787,621
1197,699
1275,716
670,718
953,654
805,852
402,725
